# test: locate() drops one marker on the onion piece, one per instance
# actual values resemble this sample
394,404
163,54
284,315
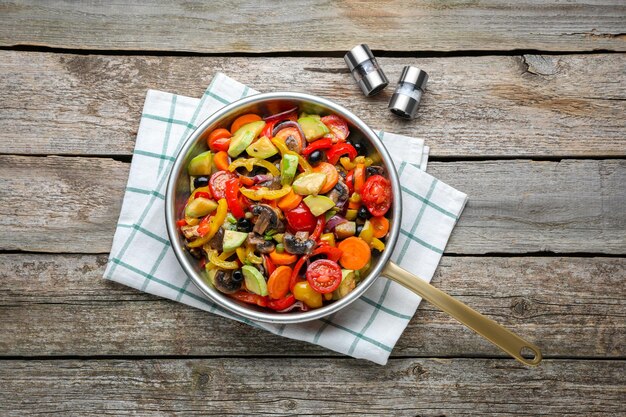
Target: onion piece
334,222
287,123
297,304
262,178
282,115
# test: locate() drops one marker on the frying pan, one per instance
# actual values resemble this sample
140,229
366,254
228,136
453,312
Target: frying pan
178,191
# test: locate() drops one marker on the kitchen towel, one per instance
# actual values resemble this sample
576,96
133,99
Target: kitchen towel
141,255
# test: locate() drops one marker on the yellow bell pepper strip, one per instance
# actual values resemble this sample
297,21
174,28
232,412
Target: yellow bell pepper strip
265,193
377,244
252,257
282,148
346,163
225,255
214,224
367,234
241,254
215,260
328,238
249,165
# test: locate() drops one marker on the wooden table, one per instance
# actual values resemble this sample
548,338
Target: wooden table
525,112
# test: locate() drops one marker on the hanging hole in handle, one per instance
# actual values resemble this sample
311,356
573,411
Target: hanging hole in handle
531,355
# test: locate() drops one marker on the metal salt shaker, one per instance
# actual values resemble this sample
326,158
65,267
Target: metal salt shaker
365,70
406,99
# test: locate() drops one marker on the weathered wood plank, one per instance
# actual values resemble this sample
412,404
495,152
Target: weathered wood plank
63,204
399,25
299,386
60,305
475,106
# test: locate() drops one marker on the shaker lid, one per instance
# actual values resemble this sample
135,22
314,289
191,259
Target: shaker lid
415,76
357,56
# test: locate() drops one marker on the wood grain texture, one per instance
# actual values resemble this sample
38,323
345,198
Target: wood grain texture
405,387
398,25
59,305
475,106
514,206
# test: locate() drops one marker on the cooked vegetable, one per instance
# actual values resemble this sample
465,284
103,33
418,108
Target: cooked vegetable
276,225
255,282
201,164
356,253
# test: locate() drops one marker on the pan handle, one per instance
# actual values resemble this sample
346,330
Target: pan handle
487,328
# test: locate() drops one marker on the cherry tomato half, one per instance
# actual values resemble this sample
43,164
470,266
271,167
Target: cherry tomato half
324,275
217,183
337,125
300,219
376,195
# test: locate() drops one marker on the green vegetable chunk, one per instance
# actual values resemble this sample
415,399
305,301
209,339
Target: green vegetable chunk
254,280
312,128
200,207
233,239
288,168
309,183
201,164
262,149
318,204
243,137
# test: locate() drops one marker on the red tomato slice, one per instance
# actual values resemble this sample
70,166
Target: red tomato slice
376,195
250,298
217,183
337,125
324,275
300,219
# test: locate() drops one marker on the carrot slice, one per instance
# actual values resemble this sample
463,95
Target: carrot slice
221,161
290,201
244,120
332,176
278,283
359,177
356,253
220,133
380,225
283,258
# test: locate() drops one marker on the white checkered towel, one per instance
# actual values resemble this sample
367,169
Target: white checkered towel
142,257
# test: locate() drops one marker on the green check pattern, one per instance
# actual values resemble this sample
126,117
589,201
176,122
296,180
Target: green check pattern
141,256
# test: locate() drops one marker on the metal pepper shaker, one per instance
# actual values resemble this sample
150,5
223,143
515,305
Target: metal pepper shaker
406,99
365,70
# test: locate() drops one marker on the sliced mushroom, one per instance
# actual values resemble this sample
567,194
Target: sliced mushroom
293,144
298,245
217,241
267,219
262,245
339,194
190,231
225,283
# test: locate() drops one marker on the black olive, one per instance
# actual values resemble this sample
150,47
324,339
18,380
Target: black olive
360,149
359,229
244,225
374,170
316,157
201,182
237,276
363,213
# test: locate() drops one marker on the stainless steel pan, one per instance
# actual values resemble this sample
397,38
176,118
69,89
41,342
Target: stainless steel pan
270,103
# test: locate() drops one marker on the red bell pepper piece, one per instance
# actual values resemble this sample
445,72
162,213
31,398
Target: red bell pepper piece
319,228
282,303
296,270
250,298
203,226
267,130
269,265
232,191
350,181
317,145
202,194
338,150
332,253
181,223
